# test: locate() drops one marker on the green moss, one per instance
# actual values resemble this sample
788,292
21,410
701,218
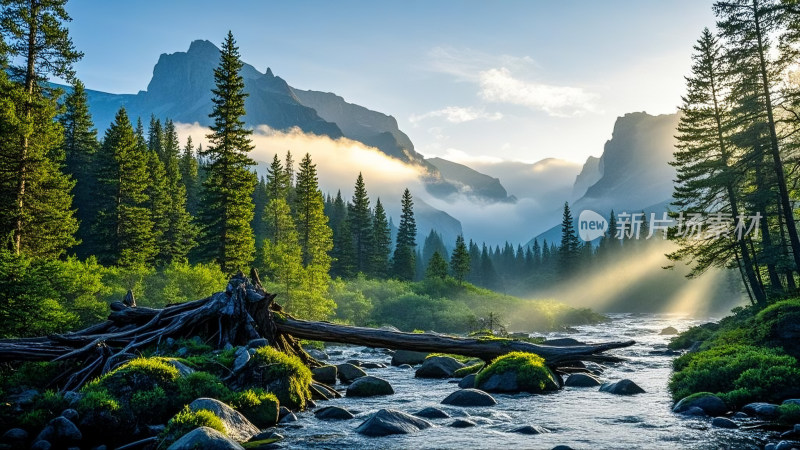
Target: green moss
187,420
200,384
194,345
532,373
287,374
260,407
318,345
459,358
34,421
35,375
789,414
694,334
136,375
98,400
153,404
464,371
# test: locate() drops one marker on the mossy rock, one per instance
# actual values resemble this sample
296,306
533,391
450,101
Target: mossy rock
517,372
464,371
779,325
260,407
138,374
284,375
186,421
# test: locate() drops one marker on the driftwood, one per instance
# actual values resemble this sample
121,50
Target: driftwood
243,312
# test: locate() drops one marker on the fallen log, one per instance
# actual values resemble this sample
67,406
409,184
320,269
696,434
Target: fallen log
241,313
483,348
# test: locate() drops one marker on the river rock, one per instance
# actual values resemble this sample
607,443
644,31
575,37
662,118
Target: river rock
183,369
289,418
530,429
369,386
761,410
401,357
41,445
348,373
24,398
694,411
389,421
70,414
319,355
257,343
669,331
432,413
462,423
723,422
283,412
562,447
622,387
333,413
242,358
581,380
787,445
792,401
325,374
709,403
438,367
372,365
15,437
792,434
61,432
469,397
237,427
563,342
205,438
404,366
467,382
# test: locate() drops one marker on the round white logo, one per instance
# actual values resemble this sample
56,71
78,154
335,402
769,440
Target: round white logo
591,225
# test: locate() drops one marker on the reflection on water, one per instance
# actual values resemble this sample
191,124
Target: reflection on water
578,417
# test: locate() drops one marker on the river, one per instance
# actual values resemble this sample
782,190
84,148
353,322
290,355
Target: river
578,417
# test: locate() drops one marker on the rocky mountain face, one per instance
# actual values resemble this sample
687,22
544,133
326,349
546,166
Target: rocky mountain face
472,183
591,172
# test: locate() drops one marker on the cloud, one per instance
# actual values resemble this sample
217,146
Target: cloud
500,86
338,162
466,64
457,114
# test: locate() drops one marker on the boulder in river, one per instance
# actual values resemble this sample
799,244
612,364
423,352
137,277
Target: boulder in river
15,437
61,432
438,367
462,423
581,380
723,422
237,427
333,413
205,438
669,331
432,413
348,373
622,387
761,410
517,372
563,342
325,374
369,386
530,429
467,382
372,365
401,357
469,397
708,402
389,421
319,355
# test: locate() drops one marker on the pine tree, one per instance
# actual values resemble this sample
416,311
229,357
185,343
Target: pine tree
282,254
80,146
569,250
36,195
277,180
381,243
404,252
226,208
488,273
343,252
158,196
124,223
433,243
475,264
155,137
314,234
178,236
437,267
360,221
460,260
189,177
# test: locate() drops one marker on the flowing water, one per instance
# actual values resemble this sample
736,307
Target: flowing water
578,417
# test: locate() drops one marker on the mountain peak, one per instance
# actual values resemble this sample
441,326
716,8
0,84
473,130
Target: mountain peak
203,46
269,72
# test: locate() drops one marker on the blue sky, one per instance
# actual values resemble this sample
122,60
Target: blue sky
469,80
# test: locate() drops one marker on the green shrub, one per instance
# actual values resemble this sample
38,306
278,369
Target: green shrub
776,325
187,420
289,375
50,401
694,334
153,404
260,407
31,375
789,414
34,421
201,384
136,375
738,373
532,374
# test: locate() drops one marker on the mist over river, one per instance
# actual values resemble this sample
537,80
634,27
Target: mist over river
578,417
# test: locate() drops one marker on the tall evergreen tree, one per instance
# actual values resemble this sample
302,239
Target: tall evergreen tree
314,234
190,177
155,137
124,223
226,209
460,260
359,219
437,267
343,252
158,196
404,252
80,146
36,200
433,243
381,243
178,236
569,250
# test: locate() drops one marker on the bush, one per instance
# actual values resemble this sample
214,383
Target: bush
29,374
737,373
777,325
260,407
187,420
532,374
789,414
290,377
